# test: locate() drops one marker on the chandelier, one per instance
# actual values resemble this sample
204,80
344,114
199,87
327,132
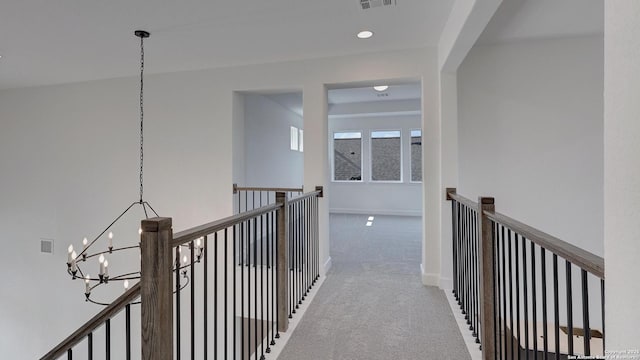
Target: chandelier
105,245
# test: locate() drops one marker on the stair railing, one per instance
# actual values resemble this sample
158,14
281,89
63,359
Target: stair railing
511,294
103,318
224,308
252,197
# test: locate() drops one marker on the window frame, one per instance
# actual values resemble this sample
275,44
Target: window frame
301,140
371,158
411,160
293,132
333,157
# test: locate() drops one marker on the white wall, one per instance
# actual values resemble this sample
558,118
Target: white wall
373,197
622,173
530,134
69,162
269,160
238,119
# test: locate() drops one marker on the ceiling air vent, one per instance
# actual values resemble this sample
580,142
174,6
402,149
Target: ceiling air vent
46,246
368,4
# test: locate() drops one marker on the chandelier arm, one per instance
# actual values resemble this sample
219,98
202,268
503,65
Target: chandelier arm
105,230
96,302
186,266
89,299
127,276
149,205
144,207
79,274
108,252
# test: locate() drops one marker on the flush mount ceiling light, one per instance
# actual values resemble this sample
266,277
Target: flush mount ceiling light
96,249
380,88
365,34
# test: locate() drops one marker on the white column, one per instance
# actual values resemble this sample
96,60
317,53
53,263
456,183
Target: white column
448,169
622,173
431,180
316,158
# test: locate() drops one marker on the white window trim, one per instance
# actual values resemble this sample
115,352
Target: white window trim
301,140
293,133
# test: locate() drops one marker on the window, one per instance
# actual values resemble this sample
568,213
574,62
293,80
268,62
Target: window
294,138
347,156
416,155
386,156
301,140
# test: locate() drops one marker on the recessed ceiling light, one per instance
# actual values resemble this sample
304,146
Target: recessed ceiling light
380,88
365,34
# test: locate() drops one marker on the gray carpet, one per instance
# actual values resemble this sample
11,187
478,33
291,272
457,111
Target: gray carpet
372,304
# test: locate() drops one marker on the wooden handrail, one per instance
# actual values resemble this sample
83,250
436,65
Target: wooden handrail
188,235
452,195
588,261
296,199
237,188
108,312
580,257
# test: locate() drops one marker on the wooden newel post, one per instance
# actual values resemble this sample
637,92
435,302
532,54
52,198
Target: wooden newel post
283,261
487,286
156,289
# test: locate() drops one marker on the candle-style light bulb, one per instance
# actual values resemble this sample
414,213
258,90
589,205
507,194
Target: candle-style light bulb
101,261
70,249
184,259
87,284
84,248
74,268
126,284
199,248
106,268
139,231
110,240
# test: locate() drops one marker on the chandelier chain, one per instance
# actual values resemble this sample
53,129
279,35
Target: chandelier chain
141,116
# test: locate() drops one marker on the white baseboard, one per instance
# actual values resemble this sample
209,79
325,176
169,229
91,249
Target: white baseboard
429,279
327,265
377,212
446,284
469,340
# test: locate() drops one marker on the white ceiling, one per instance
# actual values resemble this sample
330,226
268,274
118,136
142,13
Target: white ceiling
531,19
291,101
49,42
368,94
361,95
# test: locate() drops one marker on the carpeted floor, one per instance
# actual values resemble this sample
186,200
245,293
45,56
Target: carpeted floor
372,304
